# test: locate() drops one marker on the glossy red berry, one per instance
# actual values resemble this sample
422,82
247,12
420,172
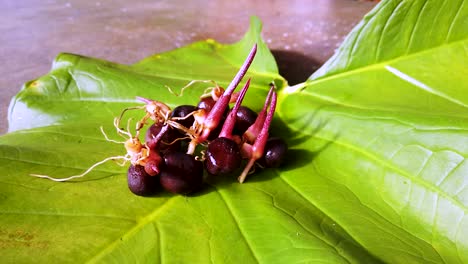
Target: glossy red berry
140,183
222,156
166,142
182,173
182,111
274,153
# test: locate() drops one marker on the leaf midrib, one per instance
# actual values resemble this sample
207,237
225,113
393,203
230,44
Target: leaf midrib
310,231
340,103
153,216
399,171
139,225
327,214
382,64
249,246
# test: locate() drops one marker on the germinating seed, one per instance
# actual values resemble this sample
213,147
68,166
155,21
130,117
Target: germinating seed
221,137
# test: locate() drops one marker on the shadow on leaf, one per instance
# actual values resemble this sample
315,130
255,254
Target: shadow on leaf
295,67
295,137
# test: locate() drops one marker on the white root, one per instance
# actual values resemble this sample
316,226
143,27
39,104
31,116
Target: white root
190,84
156,111
175,140
108,139
125,159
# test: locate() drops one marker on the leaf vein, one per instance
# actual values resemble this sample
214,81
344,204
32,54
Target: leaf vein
423,86
382,33
229,209
447,37
448,174
387,232
435,19
139,225
416,24
400,171
380,64
347,232
304,227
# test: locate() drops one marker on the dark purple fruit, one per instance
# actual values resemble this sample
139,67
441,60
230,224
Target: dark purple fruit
140,183
245,117
167,141
182,173
206,103
222,156
274,153
182,111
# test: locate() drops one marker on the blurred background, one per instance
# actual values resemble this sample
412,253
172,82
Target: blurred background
301,34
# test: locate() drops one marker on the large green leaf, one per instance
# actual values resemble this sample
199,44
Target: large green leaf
377,170
399,28
54,124
389,135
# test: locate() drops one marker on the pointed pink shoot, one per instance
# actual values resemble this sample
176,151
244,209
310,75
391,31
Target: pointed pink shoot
161,133
214,117
252,132
259,145
231,119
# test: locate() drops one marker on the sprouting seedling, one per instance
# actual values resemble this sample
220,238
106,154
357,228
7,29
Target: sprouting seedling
207,92
230,121
256,150
124,159
78,175
154,110
252,132
159,113
141,154
208,123
136,153
223,154
214,117
214,92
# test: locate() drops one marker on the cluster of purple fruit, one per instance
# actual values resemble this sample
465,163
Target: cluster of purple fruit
183,142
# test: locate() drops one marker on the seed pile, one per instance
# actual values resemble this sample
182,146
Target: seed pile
181,143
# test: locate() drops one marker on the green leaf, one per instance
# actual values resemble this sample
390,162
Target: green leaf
376,171
54,124
389,136
82,89
399,28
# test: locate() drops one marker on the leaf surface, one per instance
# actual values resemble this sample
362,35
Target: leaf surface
54,130
389,135
376,172
398,28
